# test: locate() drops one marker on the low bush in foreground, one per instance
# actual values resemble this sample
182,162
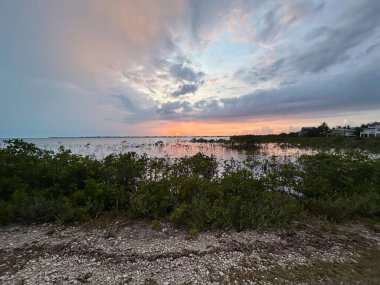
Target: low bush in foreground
41,186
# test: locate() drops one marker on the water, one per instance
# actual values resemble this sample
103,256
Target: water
172,147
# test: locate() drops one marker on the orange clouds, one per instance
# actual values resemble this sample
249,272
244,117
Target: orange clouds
219,128
85,39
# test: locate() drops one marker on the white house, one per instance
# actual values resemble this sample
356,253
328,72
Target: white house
370,131
347,132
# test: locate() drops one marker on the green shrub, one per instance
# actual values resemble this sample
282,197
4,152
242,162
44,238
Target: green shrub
41,186
152,200
5,213
341,186
199,164
156,225
194,233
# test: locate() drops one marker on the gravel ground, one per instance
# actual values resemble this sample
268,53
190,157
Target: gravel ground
133,253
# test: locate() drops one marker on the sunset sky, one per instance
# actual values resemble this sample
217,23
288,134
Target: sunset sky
191,67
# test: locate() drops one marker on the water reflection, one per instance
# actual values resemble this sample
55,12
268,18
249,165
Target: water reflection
172,147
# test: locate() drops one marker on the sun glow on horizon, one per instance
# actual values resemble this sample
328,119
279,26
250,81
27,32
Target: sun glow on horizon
205,128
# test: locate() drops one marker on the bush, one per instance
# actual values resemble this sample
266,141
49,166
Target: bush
152,200
199,164
340,186
5,213
41,186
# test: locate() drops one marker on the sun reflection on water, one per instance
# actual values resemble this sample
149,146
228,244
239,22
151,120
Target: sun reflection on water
172,147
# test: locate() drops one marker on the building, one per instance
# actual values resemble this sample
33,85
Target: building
347,132
370,131
306,131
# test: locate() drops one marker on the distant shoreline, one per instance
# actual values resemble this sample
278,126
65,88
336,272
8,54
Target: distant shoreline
99,137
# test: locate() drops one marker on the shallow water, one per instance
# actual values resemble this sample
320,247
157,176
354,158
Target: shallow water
172,147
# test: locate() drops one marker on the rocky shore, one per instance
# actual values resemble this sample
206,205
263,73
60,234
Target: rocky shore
121,252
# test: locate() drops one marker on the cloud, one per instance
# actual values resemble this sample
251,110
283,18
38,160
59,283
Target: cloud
185,89
324,48
135,61
78,42
272,26
317,33
163,78
343,93
268,23
262,72
206,19
357,24
173,110
182,72
372,48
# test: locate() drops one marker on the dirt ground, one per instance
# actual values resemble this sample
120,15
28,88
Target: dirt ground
121,252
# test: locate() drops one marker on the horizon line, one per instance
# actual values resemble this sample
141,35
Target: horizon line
147,136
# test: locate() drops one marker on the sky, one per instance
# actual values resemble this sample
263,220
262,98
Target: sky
189,67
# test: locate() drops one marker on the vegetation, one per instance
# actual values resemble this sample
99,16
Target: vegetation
203,140
365,270
315,137
325,143
195,192
321,131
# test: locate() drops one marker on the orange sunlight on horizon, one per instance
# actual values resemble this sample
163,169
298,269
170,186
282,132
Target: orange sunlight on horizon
204,128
